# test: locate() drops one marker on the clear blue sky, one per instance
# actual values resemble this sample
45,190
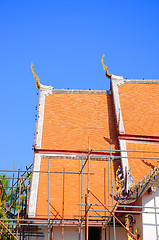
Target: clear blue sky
65,40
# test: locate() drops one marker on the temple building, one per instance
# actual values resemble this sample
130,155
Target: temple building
95,170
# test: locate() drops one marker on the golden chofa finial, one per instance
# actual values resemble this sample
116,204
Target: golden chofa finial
107,74
35,76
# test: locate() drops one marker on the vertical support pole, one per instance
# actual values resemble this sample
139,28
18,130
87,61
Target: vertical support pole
23,212
88,165
19,203
109,192
16,191
52,232
63,204
48,225
79,186
87,195
86,217
23,198
4,207
12,190
0,197
105,198
81,198
112,192
4,202
0,186
12,184
27,200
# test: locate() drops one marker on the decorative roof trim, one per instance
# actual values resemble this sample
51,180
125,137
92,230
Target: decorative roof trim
43,92
136,191
35,76
117,81
47,90
105,68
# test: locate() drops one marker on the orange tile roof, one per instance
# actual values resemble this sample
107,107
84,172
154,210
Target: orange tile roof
70,118
140,108
71,189
140,167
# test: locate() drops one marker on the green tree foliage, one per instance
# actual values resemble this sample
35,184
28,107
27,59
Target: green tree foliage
12,202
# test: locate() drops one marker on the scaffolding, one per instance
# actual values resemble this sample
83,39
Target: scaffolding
14,197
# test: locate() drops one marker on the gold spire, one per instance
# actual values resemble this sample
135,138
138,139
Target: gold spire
107,74
35,76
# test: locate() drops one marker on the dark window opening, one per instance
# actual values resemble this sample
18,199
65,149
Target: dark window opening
94,233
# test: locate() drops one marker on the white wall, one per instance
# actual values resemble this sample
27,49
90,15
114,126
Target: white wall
72,233
121,233
150,220
69,233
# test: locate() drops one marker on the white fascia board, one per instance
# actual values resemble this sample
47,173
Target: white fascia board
116,82
49,155
44,92
34,187
124,157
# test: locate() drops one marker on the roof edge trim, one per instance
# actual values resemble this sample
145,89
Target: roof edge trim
143,81
34,187
138,137
81,91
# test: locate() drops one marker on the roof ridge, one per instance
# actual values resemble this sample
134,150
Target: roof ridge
81,91
148,81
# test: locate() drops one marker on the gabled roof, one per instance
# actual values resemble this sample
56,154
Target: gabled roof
71,116
137,112
144,160
139,104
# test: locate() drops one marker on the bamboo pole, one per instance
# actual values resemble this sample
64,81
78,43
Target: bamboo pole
63,204
48,227
81,199
105,198
86,217
79,195
4,207
113,215
87,195
19,204
114,230
8,230
109,194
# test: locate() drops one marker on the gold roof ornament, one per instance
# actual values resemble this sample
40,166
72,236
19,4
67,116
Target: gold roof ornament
35,76
105,68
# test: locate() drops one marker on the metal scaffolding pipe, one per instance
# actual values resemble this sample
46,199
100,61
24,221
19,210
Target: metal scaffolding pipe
79,193
112,192
48,226
118,150
123,206
81,198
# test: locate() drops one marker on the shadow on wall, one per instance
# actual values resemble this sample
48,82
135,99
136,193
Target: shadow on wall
148,164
